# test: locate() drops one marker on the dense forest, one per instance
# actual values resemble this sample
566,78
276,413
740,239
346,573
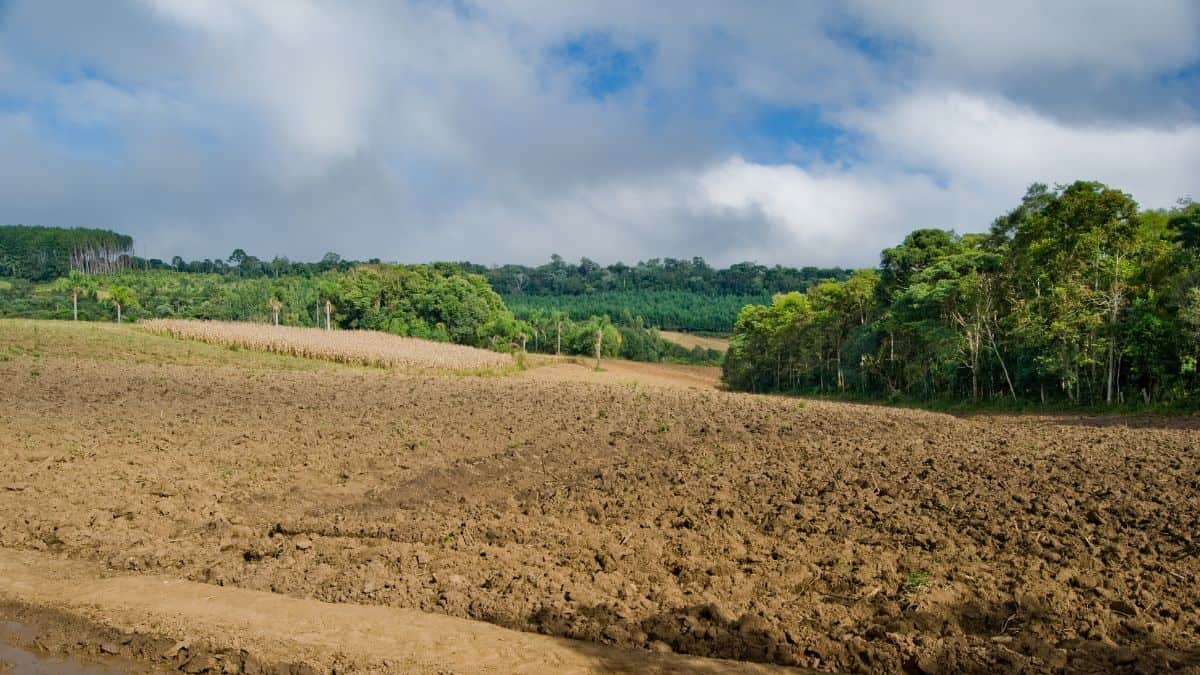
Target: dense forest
670,293
694,275
1076,296
45,253
669,310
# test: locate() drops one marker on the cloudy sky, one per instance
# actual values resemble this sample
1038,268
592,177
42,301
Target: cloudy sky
503,131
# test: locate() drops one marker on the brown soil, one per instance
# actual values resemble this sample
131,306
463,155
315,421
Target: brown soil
673,518
627,373
148,623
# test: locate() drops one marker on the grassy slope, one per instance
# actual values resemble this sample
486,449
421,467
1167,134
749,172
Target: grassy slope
132,344
109,342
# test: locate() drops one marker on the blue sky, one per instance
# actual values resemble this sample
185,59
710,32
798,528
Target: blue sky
794,133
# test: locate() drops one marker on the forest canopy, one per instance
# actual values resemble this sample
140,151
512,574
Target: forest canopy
1074,296
670,293
45,253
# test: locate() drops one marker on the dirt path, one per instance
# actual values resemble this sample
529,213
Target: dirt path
199,627
629,373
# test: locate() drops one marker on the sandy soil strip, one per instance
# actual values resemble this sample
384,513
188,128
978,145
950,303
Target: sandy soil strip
214,629
617,371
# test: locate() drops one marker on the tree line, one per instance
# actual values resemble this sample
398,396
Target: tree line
671,293
1076,297
668,309
694,275
629,336
427,301
45,253
674,294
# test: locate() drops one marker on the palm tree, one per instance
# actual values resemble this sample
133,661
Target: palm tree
74,283
121,296
558,322
605,330
328,289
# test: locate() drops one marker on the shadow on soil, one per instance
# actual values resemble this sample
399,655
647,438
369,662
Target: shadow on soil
1149,422
693,631
1184,422
974,639
993,638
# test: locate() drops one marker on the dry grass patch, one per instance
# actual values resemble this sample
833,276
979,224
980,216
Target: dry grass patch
359,347
690,341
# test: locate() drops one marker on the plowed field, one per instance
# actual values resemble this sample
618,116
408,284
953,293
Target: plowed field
658,514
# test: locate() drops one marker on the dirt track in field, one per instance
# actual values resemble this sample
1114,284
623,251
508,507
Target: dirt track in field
652,514
627,373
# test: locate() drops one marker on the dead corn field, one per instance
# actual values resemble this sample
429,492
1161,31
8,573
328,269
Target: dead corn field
838,537
359,347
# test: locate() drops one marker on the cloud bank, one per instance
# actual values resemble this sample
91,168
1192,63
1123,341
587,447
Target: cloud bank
507,131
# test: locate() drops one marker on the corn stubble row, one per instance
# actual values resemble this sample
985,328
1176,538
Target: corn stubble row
360,347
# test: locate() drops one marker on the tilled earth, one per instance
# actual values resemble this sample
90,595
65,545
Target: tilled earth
833,536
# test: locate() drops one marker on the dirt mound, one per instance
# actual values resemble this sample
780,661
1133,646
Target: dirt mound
838,537
173,625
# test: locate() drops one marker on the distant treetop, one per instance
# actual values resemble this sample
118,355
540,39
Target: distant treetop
559,277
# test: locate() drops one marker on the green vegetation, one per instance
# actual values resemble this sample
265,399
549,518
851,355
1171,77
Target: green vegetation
434,302
668,310
914,581
559,277
427,301
45,253
555,332
1074,298
446,301
672,294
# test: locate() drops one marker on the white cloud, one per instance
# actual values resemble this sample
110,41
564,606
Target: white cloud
307,66
827,215
740,210
448,130
1016,36
992,147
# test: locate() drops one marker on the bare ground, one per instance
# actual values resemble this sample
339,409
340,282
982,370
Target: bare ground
652,514
169,624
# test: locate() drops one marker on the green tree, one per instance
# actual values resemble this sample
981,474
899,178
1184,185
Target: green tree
121,297
1074,295
75,284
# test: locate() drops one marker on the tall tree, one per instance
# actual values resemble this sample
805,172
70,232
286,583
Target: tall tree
121,297
75,284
